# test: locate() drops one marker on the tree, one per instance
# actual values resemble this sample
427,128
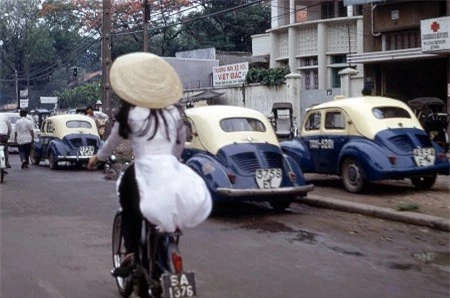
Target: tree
225,25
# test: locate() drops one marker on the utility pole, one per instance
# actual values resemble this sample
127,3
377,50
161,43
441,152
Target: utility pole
106,60
16,77
146,19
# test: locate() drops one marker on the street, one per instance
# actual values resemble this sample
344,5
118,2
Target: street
56,230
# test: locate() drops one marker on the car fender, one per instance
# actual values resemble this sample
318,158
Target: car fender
213,173
293,165
56,147
296,149
371,156
37,147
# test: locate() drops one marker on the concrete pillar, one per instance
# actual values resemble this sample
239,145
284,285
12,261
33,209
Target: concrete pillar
321,55
273,49
293,88
291,11
346,82
292,49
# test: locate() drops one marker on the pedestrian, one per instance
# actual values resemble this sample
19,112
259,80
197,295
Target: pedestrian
156,185
5,133
366,91
24,136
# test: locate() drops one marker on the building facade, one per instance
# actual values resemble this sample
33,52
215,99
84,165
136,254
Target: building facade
406,48
314,39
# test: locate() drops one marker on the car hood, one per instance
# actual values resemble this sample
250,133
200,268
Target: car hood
403,140
245,159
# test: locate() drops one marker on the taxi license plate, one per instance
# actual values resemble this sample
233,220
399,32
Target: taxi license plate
86,150
180,285
424,156
268,178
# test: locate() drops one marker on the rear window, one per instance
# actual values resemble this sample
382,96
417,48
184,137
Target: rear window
390,112
242,124
78,124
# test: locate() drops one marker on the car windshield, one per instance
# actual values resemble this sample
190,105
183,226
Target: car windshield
78,124
390,112
242,124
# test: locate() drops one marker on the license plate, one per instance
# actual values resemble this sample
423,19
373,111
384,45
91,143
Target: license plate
424,156
178,285
86,150
268,178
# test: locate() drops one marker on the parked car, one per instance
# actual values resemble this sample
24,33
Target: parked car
366,139
72,139
13,117
238,155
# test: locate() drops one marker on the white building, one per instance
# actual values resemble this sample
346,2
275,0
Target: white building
314,38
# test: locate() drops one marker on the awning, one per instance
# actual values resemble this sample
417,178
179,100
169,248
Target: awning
385,56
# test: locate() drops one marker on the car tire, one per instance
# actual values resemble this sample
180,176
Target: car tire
424,182
52,161
281,204
353,176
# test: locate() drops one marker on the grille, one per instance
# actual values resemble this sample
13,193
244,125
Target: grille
246,162
273,160
91,142
76,142
424,140
403,142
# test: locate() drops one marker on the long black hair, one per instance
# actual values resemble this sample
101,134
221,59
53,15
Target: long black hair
124,128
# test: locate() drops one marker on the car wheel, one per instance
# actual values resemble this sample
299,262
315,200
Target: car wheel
52,161
424,182
281,204
353,175
34,159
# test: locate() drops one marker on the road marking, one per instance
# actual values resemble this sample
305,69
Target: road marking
50,289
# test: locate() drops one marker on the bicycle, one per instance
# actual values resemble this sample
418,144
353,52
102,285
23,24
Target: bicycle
158,268
3,171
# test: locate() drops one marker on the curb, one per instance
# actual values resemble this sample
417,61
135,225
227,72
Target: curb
434,222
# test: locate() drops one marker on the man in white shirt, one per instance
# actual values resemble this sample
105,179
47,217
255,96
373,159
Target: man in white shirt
5,132
24,137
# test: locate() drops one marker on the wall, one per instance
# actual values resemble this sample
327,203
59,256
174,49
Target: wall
261,44
194,73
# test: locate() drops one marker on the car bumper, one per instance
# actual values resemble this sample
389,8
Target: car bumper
443,169
295,190
73,158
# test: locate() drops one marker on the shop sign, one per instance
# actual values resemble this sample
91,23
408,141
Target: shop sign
435,34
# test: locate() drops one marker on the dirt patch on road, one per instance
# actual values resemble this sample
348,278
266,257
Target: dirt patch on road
391,194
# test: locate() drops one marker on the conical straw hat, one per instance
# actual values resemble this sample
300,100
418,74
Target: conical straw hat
145,80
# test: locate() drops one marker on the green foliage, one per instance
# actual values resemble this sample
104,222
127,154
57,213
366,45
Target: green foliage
79,96
229,31
407,207
269,77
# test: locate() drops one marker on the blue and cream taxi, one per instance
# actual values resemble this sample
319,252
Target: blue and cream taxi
365,139
66,140
236,152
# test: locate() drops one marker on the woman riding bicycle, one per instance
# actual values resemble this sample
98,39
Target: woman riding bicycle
157,185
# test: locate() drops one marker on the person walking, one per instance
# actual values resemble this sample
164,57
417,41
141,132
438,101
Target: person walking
24,137
5,133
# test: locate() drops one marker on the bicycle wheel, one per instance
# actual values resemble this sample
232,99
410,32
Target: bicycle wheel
124,285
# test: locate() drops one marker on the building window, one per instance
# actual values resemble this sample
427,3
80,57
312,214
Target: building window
309,72
338,63
402,40
301,13
328,9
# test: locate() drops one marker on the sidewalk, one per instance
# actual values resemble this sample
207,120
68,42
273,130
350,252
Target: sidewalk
435,222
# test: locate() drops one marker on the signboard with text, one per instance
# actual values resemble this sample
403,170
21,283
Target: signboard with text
435,34
231,74
24,103
49,99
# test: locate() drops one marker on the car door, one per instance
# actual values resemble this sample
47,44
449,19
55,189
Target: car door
334,135
311,136
46,135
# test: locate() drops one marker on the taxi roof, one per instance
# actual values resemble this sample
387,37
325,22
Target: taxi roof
360,111
207,123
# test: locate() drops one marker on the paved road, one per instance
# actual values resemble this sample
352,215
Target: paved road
55,242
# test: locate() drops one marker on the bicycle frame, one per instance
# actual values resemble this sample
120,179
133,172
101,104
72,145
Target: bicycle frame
159,265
